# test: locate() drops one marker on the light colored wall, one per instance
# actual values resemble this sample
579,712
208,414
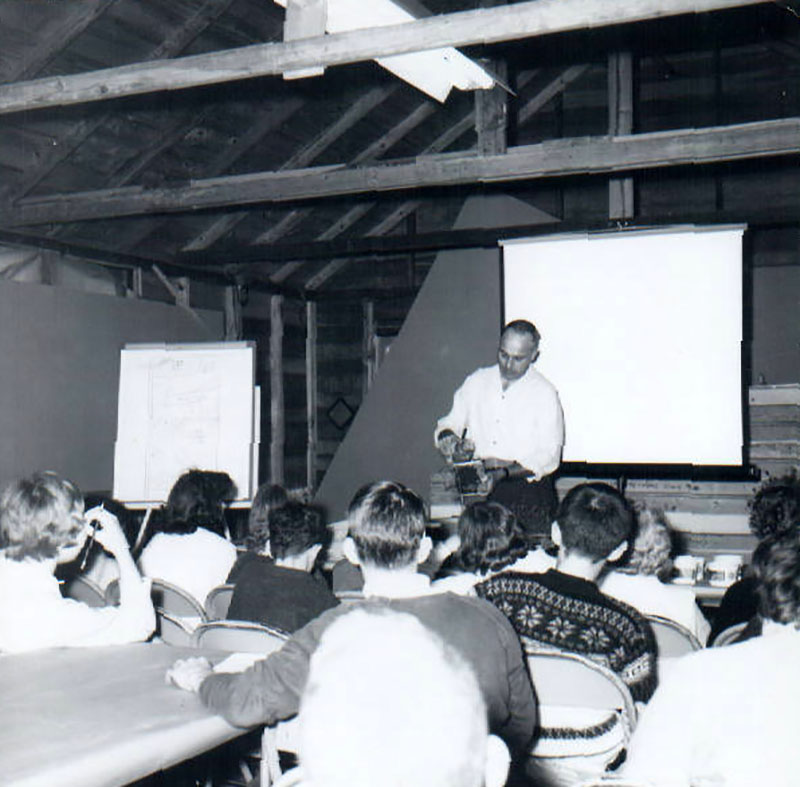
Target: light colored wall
59,375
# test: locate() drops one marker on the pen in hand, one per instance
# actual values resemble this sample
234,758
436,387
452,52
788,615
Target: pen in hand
89,542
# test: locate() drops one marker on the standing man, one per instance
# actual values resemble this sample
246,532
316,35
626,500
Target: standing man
510,416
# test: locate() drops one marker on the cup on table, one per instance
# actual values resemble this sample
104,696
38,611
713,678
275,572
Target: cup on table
689,569
724,570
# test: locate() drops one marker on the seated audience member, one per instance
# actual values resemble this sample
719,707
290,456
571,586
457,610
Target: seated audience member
489,541
775,508
387,538
563,607
283,591
729,716
638,581
414,710
267,498
42,524
188,549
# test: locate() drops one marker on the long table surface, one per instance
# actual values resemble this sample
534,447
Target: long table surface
92,717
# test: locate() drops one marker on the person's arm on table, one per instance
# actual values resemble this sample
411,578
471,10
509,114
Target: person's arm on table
267,692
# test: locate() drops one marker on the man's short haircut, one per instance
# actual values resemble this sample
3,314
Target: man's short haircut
594,519
775,506
490,538
295,527
389,703
776,565
39,515
524,328
386,523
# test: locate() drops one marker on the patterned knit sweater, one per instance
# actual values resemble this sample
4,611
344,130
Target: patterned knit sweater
556,610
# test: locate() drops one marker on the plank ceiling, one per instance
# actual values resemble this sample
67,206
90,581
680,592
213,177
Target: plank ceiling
349,180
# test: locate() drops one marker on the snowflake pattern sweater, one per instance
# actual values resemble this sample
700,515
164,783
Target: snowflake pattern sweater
556,610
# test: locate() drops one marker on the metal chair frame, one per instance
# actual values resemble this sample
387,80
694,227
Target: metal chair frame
218,601
672,638
238,636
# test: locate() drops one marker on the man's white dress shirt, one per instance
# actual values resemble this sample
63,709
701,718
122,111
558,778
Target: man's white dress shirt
523,424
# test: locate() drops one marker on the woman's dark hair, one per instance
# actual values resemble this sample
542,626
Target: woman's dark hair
196,500
776,566
267,499
490,539
295,527
775,508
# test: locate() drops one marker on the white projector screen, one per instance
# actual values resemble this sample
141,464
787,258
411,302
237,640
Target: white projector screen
641,335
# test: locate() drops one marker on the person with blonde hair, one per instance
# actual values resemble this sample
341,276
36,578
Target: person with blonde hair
388,702
641,579
42,525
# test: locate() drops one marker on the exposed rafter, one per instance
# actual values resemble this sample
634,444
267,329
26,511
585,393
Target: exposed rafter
482,26
554,158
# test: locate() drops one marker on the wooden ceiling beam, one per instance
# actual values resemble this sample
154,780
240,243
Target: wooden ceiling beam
79,14
482,26
550,159
370,248
77,133
302,158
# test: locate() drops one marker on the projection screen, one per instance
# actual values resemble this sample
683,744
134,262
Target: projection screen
641,335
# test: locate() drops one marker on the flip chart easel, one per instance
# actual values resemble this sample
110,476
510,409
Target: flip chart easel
184,406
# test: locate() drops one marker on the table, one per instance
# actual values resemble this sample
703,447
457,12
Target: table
91,717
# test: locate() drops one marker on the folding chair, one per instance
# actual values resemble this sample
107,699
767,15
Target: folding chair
177,612
672,638
587,713
238,636
729,635
218,601
172,629
83,589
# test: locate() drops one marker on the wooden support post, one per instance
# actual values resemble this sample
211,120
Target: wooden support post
368,354
305,19
276,407
233,314
491,114
311,395
138,282
620,121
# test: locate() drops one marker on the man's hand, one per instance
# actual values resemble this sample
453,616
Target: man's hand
453,448
188,674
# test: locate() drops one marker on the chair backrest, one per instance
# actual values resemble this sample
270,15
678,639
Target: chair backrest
729,635
167,598
172,629
176,601
349,596
217,602
83,589
572,680
238,636
672,638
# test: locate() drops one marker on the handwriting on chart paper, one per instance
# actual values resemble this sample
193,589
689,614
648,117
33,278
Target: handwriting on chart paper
184,423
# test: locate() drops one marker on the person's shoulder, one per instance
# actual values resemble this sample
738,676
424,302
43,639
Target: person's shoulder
482,375
535,378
